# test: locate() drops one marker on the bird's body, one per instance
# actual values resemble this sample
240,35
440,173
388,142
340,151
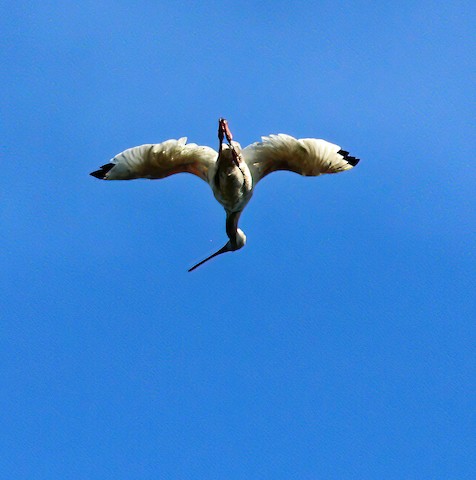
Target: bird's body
231,184
232,173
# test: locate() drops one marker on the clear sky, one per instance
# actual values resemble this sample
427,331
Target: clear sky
338,344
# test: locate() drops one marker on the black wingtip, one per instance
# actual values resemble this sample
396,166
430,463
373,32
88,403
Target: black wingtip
101,174
348,158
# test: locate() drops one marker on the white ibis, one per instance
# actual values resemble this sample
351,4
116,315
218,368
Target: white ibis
232,173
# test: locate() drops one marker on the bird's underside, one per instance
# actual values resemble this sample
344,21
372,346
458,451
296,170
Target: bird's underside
232,172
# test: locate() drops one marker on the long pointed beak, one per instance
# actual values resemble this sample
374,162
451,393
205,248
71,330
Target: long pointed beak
224,249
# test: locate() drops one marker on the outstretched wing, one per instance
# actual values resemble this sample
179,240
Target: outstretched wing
306,156
159,160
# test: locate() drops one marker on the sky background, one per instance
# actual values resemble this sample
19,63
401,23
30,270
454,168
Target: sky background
338,344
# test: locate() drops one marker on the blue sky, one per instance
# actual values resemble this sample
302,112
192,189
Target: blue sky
338,344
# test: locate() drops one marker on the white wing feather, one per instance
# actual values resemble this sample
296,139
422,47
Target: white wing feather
306,156
160,160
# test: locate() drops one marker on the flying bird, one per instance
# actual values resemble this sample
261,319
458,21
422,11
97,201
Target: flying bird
233,172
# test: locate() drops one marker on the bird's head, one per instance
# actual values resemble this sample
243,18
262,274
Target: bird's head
238,242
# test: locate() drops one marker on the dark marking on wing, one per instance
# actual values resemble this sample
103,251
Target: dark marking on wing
101,174
348,158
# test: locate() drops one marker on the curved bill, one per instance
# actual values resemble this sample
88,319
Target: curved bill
224,249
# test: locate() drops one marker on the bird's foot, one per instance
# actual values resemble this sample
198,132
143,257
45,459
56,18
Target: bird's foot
224,130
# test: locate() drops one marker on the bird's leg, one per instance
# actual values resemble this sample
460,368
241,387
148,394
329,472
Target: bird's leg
224,131
236,156
221,134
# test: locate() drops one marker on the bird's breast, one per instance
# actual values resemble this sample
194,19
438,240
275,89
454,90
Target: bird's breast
233,185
